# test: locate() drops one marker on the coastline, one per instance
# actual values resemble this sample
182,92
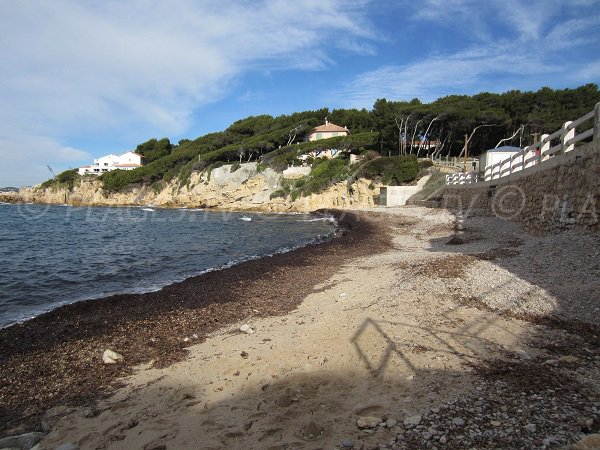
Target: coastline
406,332
65,345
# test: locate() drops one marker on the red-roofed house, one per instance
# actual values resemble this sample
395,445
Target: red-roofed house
326,131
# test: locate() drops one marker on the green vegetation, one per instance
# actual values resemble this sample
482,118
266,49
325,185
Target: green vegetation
64,179
437,180
277,142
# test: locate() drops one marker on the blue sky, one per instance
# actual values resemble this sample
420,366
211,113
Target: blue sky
85,78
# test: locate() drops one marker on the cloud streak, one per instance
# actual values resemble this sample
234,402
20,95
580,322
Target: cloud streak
77,68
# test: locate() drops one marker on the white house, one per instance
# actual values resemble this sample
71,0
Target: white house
126,161
495,155
327,131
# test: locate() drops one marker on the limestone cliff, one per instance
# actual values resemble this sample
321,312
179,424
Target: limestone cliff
244,189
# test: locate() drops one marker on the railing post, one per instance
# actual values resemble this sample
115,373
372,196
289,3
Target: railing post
565,135
597,126
544,147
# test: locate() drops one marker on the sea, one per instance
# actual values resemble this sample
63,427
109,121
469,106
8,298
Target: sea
51,255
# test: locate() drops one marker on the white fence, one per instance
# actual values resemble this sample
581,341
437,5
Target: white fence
550,145
462,178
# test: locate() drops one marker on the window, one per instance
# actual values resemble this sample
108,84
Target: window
106,164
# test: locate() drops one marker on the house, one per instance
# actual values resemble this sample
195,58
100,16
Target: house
126,161
495,155
327,131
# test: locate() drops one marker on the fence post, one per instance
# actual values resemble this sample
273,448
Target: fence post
565,135
597,126
544,147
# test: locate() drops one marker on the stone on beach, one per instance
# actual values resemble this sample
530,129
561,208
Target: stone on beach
23,441
111,357
247,329
412,421
368,422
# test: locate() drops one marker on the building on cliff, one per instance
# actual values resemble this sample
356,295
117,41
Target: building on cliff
327,131
126,161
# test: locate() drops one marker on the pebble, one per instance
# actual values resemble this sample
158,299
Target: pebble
458,421
495,423
530,427
347,443
443,439
390,423
412,421
368,421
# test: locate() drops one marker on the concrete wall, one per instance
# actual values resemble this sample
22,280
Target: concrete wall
563,193
398,195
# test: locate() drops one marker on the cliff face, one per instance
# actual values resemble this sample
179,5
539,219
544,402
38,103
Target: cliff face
244,189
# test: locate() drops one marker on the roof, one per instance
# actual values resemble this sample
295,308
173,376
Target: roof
329,127
505,149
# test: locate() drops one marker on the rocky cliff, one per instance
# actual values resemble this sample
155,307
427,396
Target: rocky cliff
244,189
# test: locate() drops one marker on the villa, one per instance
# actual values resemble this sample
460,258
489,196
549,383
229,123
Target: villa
327,131
126,161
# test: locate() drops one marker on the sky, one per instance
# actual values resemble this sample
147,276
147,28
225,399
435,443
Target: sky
85,78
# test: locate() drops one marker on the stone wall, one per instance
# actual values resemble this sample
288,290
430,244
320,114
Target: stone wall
560,194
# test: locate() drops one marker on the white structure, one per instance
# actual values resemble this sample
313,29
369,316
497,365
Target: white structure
126,161
327,131
399,195
495,156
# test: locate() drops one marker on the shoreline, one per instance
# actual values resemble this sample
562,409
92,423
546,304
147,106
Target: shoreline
64,346
200,216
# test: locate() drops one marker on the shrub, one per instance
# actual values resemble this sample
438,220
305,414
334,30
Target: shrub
63,179
394,170
425,163
279,193
235,166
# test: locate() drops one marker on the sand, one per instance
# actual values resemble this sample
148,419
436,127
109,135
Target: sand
394,332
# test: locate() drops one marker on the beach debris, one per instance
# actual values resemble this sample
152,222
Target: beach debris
368,421
247,329
244,355
111,357
22,441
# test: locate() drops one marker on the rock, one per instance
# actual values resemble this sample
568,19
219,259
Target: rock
111,357
22,441
412,421
427,435
589,442
569,359
443,439
530,427
195,336
244,355
343,295
347,443
67,446
390,423
312,431
187,339
495,423
247,329
458,421
368,421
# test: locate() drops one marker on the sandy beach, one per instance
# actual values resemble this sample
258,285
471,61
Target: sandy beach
412,330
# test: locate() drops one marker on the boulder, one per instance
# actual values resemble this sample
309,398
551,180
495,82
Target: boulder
111,357
368,421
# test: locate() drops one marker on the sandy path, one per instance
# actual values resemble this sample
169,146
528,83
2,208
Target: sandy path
391,335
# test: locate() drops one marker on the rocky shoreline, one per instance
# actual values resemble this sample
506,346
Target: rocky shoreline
64,347
411,330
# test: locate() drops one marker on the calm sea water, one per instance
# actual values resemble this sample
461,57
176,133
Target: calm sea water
53,255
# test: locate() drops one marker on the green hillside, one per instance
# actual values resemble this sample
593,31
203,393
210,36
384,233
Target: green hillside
388,128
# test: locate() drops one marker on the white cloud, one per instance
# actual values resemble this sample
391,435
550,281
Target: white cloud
534,49
72,67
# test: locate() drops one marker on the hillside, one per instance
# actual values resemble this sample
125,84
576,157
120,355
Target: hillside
390,129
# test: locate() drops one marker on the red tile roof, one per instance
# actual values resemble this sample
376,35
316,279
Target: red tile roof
330,127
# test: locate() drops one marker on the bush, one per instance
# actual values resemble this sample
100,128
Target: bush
235,166
279,193
425,163
394,170
63,179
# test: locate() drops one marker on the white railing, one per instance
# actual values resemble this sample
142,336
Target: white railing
550,145
462,178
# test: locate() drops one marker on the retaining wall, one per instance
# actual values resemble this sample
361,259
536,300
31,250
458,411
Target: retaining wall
561,194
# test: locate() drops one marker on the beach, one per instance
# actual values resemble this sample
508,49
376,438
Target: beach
414,328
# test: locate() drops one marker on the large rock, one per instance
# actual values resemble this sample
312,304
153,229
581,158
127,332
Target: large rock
111,357
23,441
412,421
